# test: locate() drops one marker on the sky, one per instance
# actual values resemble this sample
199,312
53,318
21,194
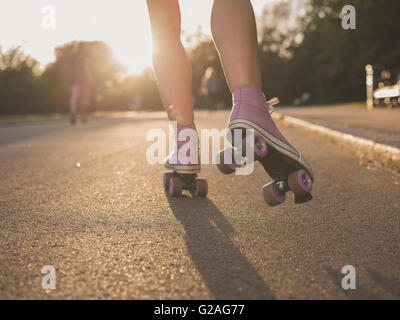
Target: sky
122,24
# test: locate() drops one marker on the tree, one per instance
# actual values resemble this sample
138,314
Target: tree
20,88
93,60
329,61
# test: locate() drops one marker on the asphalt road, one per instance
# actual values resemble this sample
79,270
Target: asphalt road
110,230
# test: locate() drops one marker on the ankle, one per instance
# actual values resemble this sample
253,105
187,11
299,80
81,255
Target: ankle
248,96
186,126
191,131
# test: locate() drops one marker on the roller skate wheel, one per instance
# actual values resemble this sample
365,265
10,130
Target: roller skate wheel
272,196
226,167
175,187
201,187
300,182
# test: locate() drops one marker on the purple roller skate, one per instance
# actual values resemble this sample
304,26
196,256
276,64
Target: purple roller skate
283,163
184,162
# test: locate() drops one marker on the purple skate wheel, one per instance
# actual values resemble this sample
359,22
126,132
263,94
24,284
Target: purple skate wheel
272,196
175,187
225,166
166,177
300,182
260,146
201,187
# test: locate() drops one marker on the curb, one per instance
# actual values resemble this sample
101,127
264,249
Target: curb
387,156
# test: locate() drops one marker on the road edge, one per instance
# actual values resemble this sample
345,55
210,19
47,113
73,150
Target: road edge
385,155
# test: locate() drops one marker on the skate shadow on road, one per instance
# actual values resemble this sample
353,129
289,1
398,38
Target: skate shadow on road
226,272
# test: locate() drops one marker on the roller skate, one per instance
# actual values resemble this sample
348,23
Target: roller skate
289,170
184,166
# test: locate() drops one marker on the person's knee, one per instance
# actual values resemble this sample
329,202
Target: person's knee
166,38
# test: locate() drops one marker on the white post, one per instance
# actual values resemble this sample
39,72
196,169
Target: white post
370,86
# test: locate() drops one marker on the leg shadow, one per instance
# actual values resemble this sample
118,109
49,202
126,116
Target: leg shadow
360,293
389,284
226,272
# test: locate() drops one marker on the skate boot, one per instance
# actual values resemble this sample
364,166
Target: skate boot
283,163
184,163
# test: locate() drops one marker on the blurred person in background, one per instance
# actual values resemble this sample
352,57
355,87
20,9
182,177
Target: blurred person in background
209,88
79,88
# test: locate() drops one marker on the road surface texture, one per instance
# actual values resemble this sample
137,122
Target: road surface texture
380,124
84,200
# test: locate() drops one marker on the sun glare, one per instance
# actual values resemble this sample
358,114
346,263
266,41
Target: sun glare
123,25
126,29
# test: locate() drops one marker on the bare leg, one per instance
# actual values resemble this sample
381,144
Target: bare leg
234,31
171,65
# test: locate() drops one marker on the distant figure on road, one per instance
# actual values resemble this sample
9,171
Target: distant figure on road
234,31
209,87
138,102
79,88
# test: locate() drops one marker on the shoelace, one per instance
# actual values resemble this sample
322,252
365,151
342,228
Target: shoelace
271,103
